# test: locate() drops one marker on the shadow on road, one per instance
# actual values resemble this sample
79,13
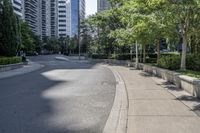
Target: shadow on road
39,102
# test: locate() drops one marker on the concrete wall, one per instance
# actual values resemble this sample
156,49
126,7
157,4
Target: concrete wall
187,83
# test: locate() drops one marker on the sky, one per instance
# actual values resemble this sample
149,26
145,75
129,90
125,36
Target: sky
91,7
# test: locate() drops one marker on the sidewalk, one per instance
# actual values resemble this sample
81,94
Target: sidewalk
32,66
155,109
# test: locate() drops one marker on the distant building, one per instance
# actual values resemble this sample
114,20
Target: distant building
82,10
43,17
77,8
63,18
18,7
31,14
102,5
54,17
51,18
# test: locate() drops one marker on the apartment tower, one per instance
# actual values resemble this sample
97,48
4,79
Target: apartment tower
18,7
102,5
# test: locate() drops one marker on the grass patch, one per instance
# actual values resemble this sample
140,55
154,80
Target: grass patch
195,74
10,60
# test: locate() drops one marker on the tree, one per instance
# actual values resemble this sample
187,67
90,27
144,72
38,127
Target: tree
10,35
38,43
52,45
185,14
64,44
27,36
73,44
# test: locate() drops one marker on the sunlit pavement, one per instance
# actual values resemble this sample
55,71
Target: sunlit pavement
62,97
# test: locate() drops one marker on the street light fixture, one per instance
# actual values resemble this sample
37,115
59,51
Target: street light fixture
79,45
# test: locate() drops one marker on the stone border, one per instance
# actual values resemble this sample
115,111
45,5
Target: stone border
110,61
117,120
4,68
187,83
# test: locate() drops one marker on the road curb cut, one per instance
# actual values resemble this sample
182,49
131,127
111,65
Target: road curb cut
117,120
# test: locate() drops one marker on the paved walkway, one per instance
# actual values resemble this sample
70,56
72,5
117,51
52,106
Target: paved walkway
153,108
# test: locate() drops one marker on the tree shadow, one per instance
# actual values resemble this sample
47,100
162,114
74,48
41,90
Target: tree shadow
196,106
144,74
35,103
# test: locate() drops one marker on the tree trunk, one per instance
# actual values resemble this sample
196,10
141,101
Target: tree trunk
158,50
144,53
184,52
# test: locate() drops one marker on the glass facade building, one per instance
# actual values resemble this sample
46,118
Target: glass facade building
77,8
74,17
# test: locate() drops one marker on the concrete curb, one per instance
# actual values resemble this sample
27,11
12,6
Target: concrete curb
61,58
32,66
117,120
4,68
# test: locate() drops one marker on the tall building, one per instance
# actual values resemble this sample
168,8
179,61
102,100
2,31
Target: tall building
82,10
77,8
31,14
54,18
102,5
44,20
18,7
63,18
51,18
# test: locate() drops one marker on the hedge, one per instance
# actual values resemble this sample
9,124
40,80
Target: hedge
173,62
99,56
127,56
10,60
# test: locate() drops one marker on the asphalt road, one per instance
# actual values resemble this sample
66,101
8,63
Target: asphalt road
63,97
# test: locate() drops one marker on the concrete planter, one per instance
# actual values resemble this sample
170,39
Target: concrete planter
189,84
110,61
4,68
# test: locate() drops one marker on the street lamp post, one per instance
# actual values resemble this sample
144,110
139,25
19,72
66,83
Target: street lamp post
79,45
136,51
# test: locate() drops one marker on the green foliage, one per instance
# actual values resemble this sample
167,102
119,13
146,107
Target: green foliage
99,56
73,44
190,73
9,31
193,62
147,22
171,62
27,36
64,43
10,60
52,45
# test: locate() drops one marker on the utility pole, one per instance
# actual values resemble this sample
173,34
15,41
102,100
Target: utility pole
79,45
136,51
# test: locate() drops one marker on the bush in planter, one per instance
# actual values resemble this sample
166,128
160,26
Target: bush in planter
193,62
171,62
99,56
10,60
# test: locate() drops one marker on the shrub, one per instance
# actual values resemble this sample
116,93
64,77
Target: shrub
99,56
10,60
193,62
171,62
